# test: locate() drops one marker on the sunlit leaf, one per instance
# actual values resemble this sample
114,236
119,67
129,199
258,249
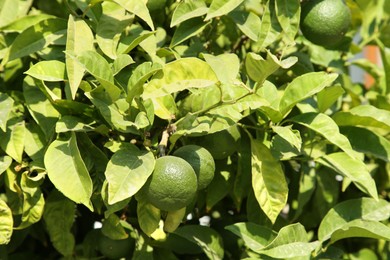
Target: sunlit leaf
364,115
79,38
67,171
288,14
248,22
187,29
226,66
41,109
353,169
33,202
5,162
303,87
6,223
139,9
366,209
127,171
291,241
48,71
112,22
221,7
372,143
325,126
6,104
180,75
187,10
268,180
148,217
37,37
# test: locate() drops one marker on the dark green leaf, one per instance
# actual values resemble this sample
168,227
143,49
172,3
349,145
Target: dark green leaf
59,216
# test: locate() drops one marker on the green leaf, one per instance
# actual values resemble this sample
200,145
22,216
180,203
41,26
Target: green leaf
248,22
325,126
327,97
127,171
24,22
139,9
112,22
353,169
12,141
98,66
72,123
208,239
115,113
6,223
33,201
364,115
5,162
39,106
59,216
286,143
113,229
174,219
225,66
79,39
270,28
138,77
35,143
219,186
255,237
51,70
6,104
288,14
268,180
366,209
187,29
187,10
372,143
221,7
291,241
385,57
37,37
303,87
112,208
259,68
179,75
67,171
133,37
362,228
8,11
148,217
121,61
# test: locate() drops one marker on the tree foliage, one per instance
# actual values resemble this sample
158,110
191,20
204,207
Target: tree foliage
90,89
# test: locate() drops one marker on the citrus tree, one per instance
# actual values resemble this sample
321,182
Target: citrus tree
193,129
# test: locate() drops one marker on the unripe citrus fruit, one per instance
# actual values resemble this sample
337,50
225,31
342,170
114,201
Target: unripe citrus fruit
115,249
201,161
221,144
172,185
325,22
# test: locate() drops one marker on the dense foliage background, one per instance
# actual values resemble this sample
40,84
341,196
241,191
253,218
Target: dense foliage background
88,88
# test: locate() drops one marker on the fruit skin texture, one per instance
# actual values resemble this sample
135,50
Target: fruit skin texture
201,161
172,185
221,144
115,249
325,22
